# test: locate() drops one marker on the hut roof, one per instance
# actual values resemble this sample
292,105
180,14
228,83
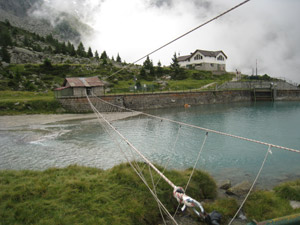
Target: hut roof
83,82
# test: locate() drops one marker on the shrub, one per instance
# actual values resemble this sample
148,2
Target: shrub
289,190
227,207
264,205
47,63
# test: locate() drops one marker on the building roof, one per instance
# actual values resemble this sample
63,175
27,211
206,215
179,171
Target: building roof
183,58
203,52
83,82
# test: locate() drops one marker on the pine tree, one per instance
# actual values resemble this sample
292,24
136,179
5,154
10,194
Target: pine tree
90,53
103,55
5,55
148,66
58,48
159,69
50,39
143,74
63,48
72,51
175,64
5,38
7,23
37,48
178,73
49,49
26,41
119,58
80,50
112,58
96,55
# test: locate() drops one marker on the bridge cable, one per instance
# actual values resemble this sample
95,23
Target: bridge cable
202,128
194,167
170,183
262,165
145,159
154,189
197,160
181,36
166,165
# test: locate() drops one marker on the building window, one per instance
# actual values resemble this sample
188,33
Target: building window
89,91
198,57
212,65
221,58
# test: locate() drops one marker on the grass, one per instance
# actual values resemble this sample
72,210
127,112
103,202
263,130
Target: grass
81,195
227,207
289,190
22,102
8,96
264,205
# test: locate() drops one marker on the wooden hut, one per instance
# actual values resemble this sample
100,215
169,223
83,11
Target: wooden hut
80,87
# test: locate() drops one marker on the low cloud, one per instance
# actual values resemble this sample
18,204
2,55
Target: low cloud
266,31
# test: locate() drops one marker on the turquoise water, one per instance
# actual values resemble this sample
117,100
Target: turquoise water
87,143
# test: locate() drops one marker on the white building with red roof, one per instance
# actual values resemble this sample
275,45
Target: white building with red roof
204,60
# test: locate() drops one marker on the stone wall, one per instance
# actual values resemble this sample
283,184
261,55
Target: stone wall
287,95
279,85
165,100
152,101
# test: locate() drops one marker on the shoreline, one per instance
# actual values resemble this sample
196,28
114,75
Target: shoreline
40,119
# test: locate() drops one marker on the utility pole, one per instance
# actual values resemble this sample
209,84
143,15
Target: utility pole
256,67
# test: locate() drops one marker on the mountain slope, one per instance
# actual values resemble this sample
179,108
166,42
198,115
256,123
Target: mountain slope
63,26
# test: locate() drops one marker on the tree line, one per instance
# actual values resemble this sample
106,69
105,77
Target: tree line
149,72
9,33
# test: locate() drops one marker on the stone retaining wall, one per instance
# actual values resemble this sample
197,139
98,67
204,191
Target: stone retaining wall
152,101
287,95
279,85
164,100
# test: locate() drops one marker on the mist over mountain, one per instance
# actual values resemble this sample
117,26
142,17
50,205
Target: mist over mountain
252,33
27,14
18,8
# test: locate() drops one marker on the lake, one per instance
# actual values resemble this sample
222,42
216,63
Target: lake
86,142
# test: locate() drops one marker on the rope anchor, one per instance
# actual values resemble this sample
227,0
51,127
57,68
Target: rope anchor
187,201
213,218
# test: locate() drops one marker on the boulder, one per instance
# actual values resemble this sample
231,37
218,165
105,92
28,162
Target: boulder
239,189
4,64
295,204
225,184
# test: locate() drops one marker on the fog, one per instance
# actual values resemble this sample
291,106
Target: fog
262,30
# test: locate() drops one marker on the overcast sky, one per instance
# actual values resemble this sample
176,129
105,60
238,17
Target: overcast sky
266,30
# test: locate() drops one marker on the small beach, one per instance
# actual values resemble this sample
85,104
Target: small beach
7,122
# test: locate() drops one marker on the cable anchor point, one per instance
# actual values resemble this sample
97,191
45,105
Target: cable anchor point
187,201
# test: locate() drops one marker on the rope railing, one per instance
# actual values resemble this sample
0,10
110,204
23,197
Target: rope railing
183,35
99,117
178,192
202,128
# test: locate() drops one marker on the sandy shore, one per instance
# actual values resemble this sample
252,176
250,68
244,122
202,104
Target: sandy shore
27,120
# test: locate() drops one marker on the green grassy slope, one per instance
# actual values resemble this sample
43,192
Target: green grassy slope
80,195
